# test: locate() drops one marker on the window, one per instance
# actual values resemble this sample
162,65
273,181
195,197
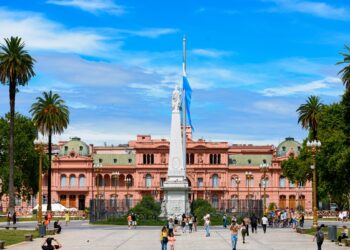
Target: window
81,148
215,181
291,184
249,182
65,148
233,161
18,200
72,181
299,148
148,159
215,201
215,159
130,160
234,201
282,181
283,148
148,180
233,181
115,160
81,181
264,161
191,158
249,162
199,182
44,199
100,160
63,180
300,184
264,183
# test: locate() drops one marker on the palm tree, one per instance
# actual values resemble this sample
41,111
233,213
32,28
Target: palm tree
345,72
308,115
51,116
16,69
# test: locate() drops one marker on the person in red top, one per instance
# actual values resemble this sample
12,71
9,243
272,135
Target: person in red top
129,221
49,216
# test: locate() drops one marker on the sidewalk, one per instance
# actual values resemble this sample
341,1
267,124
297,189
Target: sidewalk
117,238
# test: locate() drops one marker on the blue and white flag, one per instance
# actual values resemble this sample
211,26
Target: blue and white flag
188,93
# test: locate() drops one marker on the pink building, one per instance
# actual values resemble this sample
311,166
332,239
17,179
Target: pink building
125,173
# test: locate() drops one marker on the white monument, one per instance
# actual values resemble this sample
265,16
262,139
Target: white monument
176,187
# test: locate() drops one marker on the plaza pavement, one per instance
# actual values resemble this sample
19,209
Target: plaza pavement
84,236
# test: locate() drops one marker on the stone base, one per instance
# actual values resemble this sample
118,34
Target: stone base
175,201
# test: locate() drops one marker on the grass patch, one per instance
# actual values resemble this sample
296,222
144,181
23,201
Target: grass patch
15,236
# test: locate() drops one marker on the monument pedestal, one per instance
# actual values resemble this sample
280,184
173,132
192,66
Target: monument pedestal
175,201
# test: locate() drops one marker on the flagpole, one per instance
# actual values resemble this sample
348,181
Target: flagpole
184,103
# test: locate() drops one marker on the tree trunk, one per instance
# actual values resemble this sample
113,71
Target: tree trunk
49,174
11,146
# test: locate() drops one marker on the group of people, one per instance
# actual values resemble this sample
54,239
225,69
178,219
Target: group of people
188,223
132,221
343,216
286,218
11,217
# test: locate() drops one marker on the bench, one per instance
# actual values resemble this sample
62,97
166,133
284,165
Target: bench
2,244
28,237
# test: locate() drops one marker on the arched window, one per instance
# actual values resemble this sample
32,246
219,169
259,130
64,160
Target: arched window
264,183
99,180
282,181
63,180
233,181
81,180
249,181
72,180
234,202
291,184
148,180
215,201
215,180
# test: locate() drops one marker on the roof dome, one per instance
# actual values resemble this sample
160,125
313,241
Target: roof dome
77,145
289,143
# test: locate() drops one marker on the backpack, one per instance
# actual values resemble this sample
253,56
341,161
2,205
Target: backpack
319,236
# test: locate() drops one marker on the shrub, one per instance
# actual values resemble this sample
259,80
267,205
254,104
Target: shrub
147,208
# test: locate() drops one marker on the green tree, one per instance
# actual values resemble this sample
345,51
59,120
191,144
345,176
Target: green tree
308,115
147,208
16,69
26,157
345,72
50,116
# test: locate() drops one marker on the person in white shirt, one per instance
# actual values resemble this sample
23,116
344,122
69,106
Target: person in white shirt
264,222
345,215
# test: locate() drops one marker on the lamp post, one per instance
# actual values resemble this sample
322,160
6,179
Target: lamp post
248,175
264,167
314,145
115,175
40,149
127,183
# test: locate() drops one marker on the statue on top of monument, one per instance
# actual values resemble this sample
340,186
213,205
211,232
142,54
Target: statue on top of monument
176,99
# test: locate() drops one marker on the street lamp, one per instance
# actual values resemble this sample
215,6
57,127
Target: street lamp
314,145
98,170
115,175
249,176
264,167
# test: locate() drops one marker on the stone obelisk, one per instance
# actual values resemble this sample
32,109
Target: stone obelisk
176,187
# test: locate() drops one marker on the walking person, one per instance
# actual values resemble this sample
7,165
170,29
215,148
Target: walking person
234,228
66,218
170,226
195,223
243,231
247,222
319,237
302,220
9,217
57,226
224,221
14,218
171,240
207,225
164,238
190,224
133,219
254,223
129,219
264,221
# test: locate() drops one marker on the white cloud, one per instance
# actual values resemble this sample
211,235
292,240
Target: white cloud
80,105
275,107
150,32
311,87
319,9
210,53
92,6
40,33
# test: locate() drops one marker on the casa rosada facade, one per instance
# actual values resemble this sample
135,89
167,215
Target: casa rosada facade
128,172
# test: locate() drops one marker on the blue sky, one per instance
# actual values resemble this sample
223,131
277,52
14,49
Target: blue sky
250,63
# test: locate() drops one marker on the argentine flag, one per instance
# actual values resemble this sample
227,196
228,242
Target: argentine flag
188,93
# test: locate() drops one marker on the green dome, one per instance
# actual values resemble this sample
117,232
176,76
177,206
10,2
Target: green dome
77,145
286,145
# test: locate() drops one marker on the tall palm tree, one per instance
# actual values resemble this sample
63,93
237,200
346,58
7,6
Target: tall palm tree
16,69
308,115
51,116
345,72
